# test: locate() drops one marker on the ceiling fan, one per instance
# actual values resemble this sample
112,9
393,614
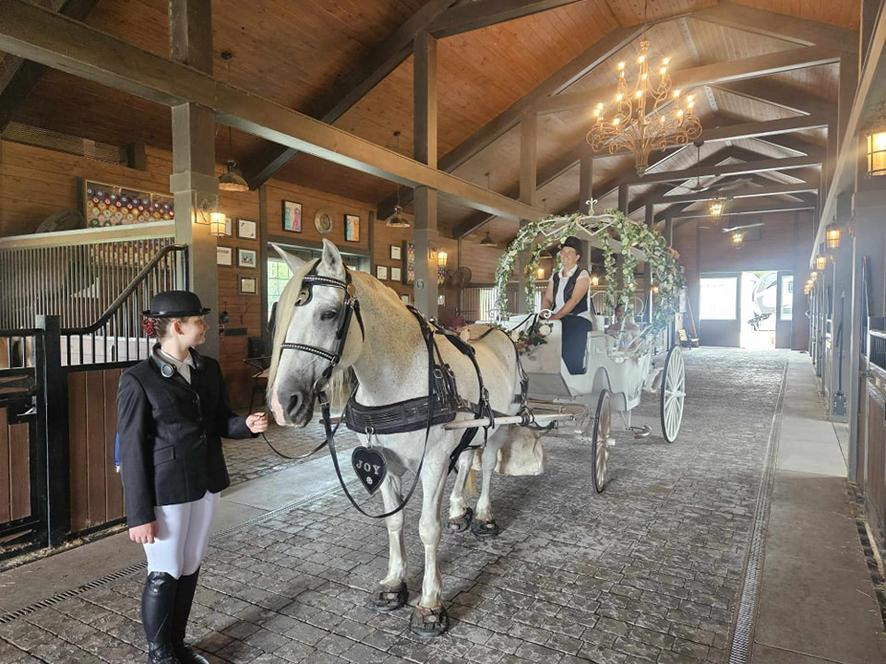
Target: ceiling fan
732,229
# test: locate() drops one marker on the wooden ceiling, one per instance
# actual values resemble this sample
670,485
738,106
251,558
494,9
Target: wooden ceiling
297,52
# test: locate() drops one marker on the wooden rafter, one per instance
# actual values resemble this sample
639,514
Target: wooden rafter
781,26
34,33
372,70
483,13
18,77
747,192
721,72
508,119
718,170
775,94
752,209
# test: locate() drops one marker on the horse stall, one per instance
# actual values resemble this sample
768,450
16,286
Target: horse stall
70,324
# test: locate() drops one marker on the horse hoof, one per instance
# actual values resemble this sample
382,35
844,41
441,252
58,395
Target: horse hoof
461,523
428,623
484,529
390,600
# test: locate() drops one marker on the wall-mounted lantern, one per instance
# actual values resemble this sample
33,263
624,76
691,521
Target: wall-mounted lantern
832,236
877,152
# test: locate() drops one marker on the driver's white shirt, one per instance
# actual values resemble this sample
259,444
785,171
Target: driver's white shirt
559,296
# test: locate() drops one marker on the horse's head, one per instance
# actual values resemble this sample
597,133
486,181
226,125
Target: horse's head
309,314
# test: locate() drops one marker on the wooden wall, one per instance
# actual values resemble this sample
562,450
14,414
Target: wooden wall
785,244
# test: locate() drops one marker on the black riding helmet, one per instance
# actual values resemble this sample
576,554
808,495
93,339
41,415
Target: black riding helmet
175,304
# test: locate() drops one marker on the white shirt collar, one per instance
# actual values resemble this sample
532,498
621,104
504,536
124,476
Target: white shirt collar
568,274
174,361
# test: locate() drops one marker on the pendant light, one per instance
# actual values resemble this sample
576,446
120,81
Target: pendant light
397,220
231,179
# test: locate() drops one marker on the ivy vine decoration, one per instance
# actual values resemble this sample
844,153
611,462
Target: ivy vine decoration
667,274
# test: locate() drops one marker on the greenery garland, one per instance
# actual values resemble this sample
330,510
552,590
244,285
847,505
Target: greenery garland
667,274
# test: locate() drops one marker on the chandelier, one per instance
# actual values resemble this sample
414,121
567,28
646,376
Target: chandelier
641,120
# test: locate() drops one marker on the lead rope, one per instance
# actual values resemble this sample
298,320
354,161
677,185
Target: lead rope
330,431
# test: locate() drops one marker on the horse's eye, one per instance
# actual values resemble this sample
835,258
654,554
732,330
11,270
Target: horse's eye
329,314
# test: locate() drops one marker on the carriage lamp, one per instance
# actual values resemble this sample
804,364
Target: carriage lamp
832,236
737,239
877,152
595,280
540,273
217,224
821,262
654,290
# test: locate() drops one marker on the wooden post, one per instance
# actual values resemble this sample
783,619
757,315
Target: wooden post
528,192
193,181
425,233
623,198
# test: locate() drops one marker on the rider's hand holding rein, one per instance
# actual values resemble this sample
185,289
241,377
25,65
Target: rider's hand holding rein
257,422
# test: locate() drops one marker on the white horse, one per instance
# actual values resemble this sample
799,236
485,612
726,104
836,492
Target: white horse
390,361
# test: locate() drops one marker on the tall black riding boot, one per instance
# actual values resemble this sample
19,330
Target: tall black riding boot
187,586
158,601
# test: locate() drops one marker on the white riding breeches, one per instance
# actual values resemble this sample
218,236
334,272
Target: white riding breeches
182,536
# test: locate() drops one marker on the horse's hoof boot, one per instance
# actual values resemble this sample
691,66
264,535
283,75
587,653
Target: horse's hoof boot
428,623
484,529
462,523
390,600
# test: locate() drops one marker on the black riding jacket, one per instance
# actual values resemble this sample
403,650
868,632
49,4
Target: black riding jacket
170,434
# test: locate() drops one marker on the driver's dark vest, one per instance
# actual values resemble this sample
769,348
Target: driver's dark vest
582,304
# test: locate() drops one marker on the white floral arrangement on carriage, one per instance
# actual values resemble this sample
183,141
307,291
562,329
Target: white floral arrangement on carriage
613,233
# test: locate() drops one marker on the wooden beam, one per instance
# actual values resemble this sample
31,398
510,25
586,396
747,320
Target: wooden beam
483,13
721,72
424,94
748,192
529,158
742,130
775,94
55,41
870,97
787,28
757,209
19,77
796,144
508,119
371,70
585,183
761,166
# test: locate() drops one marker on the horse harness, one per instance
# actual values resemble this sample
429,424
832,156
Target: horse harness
441,405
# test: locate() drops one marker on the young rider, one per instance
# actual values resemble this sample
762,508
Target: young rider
172,411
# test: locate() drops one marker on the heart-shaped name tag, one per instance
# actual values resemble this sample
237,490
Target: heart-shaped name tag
370,467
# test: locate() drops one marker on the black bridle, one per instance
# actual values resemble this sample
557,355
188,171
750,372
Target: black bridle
350,309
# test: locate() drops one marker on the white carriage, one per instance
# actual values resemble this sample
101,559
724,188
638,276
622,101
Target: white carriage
620,366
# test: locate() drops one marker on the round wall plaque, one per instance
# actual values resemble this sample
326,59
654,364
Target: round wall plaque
323,222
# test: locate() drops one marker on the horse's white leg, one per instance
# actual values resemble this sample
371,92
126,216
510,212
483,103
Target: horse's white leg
430,617
484,523
392,592
460,514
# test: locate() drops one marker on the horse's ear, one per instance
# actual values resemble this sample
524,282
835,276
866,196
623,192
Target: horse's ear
331,257
294,262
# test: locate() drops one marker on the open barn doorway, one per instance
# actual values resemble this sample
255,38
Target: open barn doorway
758,308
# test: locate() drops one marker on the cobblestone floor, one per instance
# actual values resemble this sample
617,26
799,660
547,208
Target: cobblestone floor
251,458
649,571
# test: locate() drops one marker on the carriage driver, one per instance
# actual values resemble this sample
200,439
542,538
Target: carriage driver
567,295
172,410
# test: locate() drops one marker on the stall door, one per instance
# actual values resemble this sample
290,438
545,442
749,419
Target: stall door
718,311
784,310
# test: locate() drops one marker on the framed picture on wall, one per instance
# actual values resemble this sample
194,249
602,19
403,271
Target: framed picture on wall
396,254
396,274
116,205
246,229
224,256
381,272
247,258
292,216
352,228
247,286
408,263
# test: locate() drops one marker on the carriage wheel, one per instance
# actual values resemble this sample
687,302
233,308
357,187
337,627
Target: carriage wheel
673,393
599,440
